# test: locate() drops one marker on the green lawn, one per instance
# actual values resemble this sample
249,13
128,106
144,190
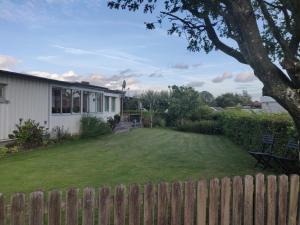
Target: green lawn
136,157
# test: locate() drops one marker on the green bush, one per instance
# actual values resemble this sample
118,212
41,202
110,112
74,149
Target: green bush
158,119
28,134
114,121
202,113
60,134
247,129
203,126
93,127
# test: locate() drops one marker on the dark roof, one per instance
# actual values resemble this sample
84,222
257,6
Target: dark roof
66,83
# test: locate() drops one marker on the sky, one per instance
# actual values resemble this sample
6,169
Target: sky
83,40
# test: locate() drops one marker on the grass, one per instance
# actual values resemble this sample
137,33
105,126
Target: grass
137,157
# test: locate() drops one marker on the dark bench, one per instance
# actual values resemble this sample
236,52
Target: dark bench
289,161
264,154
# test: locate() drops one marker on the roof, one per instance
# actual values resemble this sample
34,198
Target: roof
66,83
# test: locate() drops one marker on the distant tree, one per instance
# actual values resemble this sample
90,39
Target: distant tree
258,33
184,101
207,98
231,99
155,102
131,103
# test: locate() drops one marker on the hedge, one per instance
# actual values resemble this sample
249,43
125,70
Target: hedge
246,128
202,126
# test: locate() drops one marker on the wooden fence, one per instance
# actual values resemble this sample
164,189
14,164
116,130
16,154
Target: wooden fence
249,201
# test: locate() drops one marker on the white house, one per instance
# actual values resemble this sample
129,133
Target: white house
52,103
270,105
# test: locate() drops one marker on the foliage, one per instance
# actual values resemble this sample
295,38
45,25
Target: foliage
231,100
158,119
202,113
113,121
203,126
60,134
156,101
207,98
28,134
184,101
246,129
131,103
93,127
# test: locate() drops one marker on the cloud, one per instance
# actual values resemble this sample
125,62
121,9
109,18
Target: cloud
180,66
245,77
197,65
225,76
196,84
155,75
7,62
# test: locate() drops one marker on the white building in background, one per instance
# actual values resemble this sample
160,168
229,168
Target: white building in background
270,105
52,103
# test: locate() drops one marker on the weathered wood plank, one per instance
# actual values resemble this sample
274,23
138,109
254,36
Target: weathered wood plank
237,201
272,200
134,205
2,210
104,206
259,199
18,209
214,201
225,200
88,206
201,202
176,203
119,205
72,207
283,199
294,200
189,203
54,210
149,204
162,204
248,200
36,208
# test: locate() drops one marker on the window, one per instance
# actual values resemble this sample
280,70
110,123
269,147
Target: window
76,101
92,102
56,100
85,101
99,102
113,104
106,103
66,95
2,93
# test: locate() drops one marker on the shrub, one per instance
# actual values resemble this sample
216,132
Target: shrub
202,113
158,120
203,126
114,121
246,129
29,134
60,134
93,127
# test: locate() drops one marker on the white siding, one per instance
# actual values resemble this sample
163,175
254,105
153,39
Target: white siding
28,99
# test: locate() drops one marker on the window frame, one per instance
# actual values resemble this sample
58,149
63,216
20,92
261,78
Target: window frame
113,104
59,88
80,101
106,109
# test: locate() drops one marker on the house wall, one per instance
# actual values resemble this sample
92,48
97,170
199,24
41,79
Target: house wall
26,99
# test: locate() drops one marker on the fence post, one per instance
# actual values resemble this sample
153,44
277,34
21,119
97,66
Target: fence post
18,209
134,205
88,206
283,199
72,207
2,210
189,203
294,196
214,201
237,201
201,202
104,206
272,200
260,199
148,204
162,205
225,200
37,208
119,205
54,210
248,201
176,203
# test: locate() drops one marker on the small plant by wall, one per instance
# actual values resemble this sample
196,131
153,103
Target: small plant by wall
93,127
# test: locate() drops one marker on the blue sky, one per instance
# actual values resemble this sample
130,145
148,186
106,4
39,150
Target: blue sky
84,40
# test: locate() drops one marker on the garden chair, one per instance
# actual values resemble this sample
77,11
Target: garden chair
289,161
264,154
